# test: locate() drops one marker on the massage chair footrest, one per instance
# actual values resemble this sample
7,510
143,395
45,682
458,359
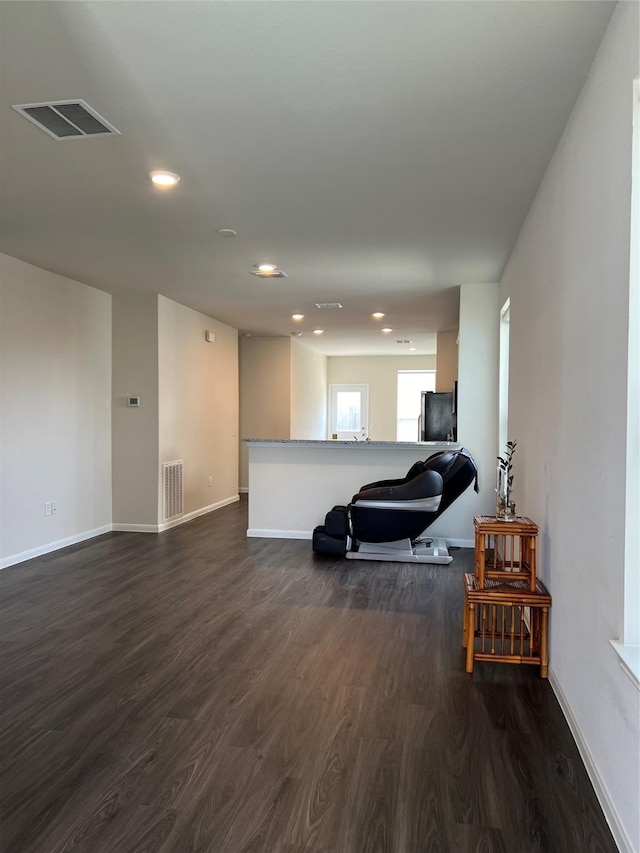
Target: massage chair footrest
324,543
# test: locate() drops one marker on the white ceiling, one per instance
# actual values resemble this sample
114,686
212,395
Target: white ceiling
381,153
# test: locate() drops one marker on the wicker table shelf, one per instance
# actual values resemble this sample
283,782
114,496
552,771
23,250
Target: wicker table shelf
505,550
506,622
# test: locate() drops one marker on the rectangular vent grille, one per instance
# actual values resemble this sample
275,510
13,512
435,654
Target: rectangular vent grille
67,119
328,305
173,489
405,341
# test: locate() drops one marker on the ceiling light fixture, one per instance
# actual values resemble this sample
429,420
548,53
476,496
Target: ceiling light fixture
297,317
268,271
412,349
386,331
318,331
378,315
164,179
226,232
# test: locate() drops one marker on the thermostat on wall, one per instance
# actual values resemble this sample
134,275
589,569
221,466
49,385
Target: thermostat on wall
133,401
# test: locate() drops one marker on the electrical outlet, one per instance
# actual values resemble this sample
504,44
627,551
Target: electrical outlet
47,508
54,508
210,482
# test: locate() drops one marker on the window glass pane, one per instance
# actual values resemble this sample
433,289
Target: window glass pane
348,410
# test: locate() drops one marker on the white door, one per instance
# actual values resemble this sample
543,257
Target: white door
349,412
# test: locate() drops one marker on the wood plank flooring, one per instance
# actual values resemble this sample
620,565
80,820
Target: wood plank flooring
198,691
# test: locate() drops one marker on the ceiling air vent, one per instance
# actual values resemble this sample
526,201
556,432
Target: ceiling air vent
328,305
405,341
67,119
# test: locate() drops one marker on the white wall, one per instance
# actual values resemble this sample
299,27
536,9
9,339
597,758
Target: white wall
478,397
55,426
198,404
308,416
568,279
265,393
135,430
380,373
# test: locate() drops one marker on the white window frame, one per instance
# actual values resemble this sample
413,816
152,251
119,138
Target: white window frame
628,646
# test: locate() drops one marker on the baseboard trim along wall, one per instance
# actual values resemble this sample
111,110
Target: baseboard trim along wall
197,513
602,793
32,553
160,528
278,534
269,533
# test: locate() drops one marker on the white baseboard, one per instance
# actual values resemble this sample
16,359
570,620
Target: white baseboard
107,528
53,546
278,534
244,490
197,513
270,533
167,525
602,793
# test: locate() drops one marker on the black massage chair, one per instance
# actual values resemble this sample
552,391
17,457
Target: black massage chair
385,519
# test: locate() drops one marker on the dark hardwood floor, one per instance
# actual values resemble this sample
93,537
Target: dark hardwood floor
198,691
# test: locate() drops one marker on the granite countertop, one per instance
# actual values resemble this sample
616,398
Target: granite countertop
313,442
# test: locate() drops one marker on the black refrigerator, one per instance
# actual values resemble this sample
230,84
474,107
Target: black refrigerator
438,416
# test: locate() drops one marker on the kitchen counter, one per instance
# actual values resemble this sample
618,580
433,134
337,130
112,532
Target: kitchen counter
293,483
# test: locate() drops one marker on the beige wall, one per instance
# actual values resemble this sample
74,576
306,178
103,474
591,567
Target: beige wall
380,373
308,392
198,404
135,430
446,360
265,392
55,424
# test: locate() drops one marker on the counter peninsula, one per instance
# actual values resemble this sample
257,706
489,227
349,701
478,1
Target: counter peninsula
294,482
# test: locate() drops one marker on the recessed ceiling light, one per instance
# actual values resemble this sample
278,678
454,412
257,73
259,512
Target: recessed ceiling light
164,179
412,349
386,331
226,232
378,315
297,317
268,271
318,331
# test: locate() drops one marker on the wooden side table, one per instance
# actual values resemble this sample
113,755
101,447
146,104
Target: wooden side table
495,622
505,550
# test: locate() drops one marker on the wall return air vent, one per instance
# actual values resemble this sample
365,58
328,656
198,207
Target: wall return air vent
67,119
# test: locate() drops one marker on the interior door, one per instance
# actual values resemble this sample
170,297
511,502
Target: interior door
349,412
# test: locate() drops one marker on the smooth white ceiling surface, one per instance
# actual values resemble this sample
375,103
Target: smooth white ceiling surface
381,153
